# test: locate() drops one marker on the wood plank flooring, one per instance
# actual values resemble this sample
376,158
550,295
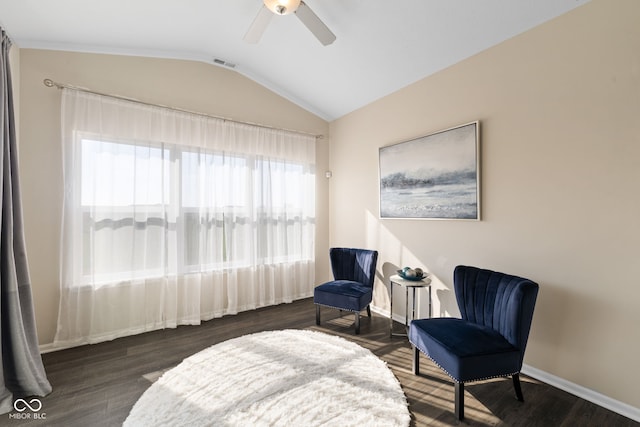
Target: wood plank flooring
97,385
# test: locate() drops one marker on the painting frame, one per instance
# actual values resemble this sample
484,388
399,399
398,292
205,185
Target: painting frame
434,176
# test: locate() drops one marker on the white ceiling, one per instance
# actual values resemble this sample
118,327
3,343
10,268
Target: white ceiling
381,46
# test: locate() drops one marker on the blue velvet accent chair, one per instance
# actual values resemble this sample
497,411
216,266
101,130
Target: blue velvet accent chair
490,338
354,271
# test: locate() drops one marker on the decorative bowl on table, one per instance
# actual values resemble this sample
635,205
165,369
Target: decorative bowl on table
414,274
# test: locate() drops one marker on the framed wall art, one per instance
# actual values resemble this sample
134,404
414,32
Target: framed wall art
435,176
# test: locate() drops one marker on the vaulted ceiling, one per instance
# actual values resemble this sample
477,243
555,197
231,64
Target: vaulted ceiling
380,47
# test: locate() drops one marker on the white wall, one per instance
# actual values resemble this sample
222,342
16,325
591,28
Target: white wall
188,85
559,108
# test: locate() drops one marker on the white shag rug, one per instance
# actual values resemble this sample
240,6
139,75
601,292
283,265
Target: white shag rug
276,378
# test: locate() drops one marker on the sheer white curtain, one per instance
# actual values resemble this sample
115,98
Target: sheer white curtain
171,218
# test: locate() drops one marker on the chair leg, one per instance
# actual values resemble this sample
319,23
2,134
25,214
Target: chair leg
459,404
369,310
416,361
318,314
357,323
516,385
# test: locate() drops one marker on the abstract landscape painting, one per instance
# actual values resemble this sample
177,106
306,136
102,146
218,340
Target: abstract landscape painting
432,177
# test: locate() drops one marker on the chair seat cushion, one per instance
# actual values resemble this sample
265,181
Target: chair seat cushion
343,294
465,350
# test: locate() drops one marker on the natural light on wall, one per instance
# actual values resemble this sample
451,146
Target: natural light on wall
172,218
397,255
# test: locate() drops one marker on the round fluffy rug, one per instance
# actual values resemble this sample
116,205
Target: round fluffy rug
276,378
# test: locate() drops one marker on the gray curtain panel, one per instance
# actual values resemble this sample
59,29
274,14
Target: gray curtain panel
22,372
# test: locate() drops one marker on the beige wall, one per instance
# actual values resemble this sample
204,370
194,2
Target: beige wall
559,108
183,84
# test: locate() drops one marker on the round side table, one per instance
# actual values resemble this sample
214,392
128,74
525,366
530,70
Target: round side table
396,279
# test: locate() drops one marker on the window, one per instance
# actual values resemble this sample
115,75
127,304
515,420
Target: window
124,188
226,210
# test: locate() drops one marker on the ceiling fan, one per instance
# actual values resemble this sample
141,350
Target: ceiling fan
285,7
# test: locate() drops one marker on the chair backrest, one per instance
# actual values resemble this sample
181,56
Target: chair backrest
500,301
358,265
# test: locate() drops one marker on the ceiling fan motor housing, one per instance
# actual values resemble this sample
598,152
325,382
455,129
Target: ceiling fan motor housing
282,7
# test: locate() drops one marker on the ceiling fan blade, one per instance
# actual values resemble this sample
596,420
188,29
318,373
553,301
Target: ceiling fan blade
258,25
314,24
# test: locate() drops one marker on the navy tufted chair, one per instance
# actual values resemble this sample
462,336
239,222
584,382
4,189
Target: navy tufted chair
490,338
352,288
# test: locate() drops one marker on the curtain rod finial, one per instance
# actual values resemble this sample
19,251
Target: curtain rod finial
49,83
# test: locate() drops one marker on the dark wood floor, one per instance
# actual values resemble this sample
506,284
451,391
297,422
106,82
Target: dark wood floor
97,385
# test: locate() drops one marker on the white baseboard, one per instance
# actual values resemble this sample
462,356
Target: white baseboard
48,348
583,393
396,316
560,383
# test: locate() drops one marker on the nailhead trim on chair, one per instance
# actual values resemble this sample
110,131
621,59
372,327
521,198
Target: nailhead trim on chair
338,308
468,381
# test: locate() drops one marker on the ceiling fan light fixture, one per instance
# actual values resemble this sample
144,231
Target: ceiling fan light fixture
282,7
